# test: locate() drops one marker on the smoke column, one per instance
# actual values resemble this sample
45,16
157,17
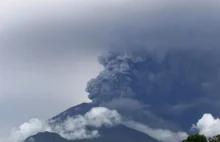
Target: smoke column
179,85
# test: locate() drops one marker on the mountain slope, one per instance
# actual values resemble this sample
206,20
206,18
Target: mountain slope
80,109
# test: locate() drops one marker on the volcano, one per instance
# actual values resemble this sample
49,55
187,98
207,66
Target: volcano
119,133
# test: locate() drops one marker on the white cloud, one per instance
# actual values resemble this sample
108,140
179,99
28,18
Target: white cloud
76,127
208,125
27,129
162,135
96,117
72,128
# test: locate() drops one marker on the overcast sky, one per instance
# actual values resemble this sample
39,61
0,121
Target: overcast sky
49,48
38,78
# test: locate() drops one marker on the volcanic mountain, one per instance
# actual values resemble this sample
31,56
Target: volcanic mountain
118,133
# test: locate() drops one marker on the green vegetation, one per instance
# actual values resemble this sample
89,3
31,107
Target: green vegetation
202,138
215,139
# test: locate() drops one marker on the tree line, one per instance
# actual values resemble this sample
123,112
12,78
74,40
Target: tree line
202,138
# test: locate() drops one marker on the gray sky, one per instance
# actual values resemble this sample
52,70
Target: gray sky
38,79
48,48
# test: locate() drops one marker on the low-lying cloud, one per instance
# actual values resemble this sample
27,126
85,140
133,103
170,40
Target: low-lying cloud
27,129
71,128
76,127
162,135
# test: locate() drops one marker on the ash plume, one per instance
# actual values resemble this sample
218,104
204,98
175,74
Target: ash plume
182,83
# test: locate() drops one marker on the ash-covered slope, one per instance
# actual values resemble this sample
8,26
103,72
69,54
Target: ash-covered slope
80,109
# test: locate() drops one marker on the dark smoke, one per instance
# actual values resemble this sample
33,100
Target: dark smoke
176,78
178,85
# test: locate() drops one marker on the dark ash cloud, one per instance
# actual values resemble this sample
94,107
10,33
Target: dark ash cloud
184,81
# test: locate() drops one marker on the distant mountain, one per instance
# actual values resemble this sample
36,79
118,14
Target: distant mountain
119,133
